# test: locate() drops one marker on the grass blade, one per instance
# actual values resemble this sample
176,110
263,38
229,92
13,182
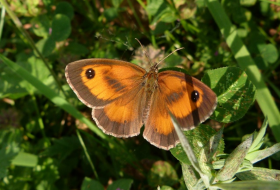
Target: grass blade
53,96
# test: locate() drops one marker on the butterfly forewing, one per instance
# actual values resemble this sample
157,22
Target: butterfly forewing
98,82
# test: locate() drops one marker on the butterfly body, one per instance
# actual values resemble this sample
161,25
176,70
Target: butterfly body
124,96
150,84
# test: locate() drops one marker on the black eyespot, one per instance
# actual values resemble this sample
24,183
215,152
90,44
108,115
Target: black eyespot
194,96
90,73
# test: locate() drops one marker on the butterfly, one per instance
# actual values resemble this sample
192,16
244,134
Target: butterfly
124,97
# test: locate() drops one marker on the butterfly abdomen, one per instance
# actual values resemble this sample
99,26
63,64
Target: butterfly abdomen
146,110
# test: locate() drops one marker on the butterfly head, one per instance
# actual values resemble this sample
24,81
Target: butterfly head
153,72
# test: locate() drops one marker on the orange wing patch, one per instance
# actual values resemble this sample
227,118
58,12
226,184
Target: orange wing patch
110,81
159,118
122,117
159,129
120,113
187,98
178,94
127,108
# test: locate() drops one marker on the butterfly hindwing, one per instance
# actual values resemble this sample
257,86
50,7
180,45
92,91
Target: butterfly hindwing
158,126
123,116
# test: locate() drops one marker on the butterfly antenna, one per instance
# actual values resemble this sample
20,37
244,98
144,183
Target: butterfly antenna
169,55
146,54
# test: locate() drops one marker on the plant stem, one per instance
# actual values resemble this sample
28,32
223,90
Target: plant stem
86,153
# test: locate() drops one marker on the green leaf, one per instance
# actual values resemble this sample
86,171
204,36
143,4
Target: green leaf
45,46
161,12
261,174
166,15
11,85
164,187
25,159
268,52
14,87
206,158
111,13
248,2
173,60
258,140
65,8
234,91
37,68
242,33
252,184
198,138
47,2
262,154
189,175
155,6
271,2
159,27
41,25
122,184
90,184
238,12
7,153
234,160
18,5
76,48
265,7
216,144
61,27
116,3
11,138
162,173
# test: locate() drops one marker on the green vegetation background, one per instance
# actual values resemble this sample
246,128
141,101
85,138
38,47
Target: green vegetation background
46,143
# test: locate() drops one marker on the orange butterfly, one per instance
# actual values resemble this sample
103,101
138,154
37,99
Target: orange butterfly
124,96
